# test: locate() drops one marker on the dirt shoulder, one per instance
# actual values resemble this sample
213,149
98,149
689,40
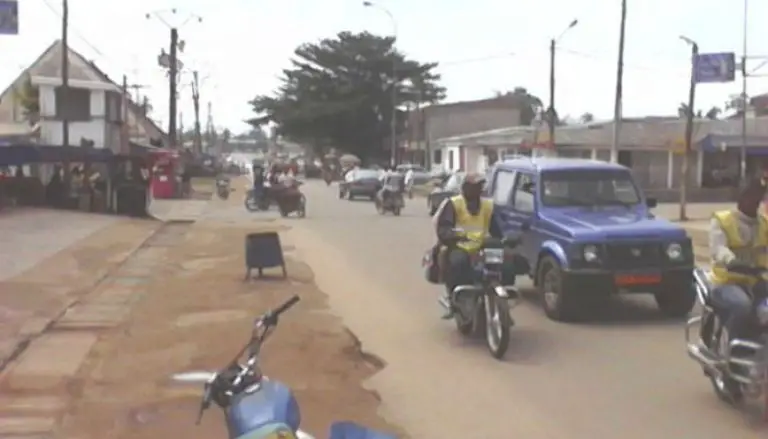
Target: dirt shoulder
180,303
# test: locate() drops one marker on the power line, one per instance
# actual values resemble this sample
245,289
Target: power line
79,35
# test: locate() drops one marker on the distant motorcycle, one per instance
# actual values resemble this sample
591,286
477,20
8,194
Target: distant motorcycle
254,406
393,202
483,307
737,368
258,200
222,188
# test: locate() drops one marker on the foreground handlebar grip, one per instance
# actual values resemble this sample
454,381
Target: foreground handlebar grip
286,306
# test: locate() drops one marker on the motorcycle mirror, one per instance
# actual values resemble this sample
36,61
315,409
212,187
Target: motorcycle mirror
198,376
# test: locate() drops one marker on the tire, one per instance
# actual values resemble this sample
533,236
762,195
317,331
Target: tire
560,305
497,330
350,197
676,302
396,211
341,195
302,211
250,204
727,390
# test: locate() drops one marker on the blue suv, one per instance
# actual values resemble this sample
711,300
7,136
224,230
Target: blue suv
588,233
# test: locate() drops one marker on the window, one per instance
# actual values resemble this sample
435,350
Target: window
588,187
74,104
523,195
450,160
437,156
502,187
113,104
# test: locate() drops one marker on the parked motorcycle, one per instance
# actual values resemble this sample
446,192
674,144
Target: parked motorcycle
737,368
254,406
483,308
222,188
393,202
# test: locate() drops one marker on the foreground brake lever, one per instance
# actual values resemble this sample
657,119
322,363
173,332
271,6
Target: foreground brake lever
205,403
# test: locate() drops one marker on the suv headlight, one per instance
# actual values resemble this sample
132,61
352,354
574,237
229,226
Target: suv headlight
590,253
675,251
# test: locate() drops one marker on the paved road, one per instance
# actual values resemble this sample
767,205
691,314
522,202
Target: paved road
626,375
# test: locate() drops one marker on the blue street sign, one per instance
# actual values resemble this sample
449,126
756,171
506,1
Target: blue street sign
714,67
9,17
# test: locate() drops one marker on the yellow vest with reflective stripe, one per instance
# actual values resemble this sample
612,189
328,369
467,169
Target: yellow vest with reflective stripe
475,226
730,224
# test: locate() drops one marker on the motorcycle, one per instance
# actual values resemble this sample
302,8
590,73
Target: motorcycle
222,188
257,200
257,407
737,368
394,202
483,307
290,199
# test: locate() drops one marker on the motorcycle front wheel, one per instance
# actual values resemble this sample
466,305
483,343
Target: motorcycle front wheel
497,324
250,204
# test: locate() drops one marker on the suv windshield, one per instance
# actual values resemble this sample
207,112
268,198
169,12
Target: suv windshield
588,187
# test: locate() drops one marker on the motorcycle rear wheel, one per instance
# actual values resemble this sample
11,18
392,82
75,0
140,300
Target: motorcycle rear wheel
725,388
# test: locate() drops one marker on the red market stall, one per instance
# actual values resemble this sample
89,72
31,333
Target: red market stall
165,168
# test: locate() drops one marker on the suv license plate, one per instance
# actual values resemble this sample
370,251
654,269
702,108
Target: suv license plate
626,280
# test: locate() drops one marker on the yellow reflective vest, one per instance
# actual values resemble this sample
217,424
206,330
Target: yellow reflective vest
748,251
475,226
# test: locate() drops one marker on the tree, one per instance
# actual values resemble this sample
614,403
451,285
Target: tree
530,106
338,92
587,118
713,113
28,96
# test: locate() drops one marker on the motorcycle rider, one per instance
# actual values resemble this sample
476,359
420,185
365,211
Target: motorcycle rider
738,236
475,217
391,183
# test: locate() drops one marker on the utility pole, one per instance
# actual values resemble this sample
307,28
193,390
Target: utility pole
688,130
136,92
209,129
125,145
744,99
198,142
64,94
551,111
551,114
617,107
172,86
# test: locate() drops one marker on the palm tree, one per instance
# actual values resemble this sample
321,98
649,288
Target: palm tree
683,110
587,118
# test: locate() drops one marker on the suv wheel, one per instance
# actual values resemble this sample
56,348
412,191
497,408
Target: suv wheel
559,301
676,302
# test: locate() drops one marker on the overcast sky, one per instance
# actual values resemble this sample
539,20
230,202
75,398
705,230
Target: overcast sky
484,45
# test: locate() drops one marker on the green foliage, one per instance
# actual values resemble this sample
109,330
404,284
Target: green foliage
28,96
338,92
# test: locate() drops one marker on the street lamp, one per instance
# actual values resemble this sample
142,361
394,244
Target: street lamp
393,121
551,111
688,128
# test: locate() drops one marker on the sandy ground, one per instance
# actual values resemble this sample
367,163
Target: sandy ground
180,303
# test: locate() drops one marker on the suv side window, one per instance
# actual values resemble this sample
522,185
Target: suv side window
502,187
523,194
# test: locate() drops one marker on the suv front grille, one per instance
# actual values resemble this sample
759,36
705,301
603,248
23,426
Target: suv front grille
634,255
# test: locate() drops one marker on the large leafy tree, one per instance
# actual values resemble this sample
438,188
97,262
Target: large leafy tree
338,92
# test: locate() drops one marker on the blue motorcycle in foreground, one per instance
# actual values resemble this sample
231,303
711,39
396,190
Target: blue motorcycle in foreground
254,406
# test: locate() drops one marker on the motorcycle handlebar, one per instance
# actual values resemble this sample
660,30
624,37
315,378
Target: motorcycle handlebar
747,269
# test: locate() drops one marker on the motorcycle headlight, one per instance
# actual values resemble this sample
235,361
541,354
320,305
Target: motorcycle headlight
675,251
493,256
762,312
591,253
